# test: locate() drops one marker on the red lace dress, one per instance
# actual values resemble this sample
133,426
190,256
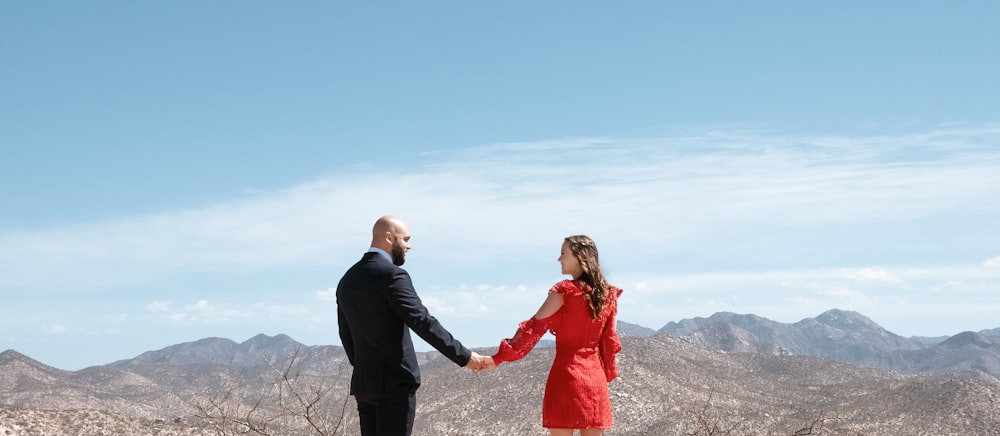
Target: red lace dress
576,393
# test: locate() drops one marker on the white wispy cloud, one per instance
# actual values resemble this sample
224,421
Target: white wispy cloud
329,294
206,312
693,190
159,306
871,274
992,262
900,298
949,295
56,329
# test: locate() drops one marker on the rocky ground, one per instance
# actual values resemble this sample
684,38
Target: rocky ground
24,422
666,387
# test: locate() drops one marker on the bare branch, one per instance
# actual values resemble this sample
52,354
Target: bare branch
288,401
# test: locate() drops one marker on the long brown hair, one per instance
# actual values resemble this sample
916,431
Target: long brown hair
585,251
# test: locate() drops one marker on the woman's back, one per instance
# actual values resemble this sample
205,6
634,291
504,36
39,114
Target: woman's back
576,328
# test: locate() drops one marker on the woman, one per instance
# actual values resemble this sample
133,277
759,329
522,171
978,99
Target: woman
581,314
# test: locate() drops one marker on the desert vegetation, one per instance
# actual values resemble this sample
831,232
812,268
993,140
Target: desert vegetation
668,385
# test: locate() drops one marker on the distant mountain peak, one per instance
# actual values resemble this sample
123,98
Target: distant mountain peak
751,322
262,338
278,344
13,362
11,355
842,315
848,320
731,339
969,338
840,312
634,330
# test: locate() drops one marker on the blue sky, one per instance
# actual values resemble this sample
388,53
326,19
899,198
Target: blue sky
179,170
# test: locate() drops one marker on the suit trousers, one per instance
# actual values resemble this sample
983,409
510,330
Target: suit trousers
387,415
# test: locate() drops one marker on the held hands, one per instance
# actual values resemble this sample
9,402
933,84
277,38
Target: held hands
479,362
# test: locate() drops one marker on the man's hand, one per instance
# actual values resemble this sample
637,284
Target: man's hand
479,362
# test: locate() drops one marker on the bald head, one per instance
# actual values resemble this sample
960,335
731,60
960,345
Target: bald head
392,235
385,228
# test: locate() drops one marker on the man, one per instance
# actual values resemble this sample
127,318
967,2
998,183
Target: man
376,309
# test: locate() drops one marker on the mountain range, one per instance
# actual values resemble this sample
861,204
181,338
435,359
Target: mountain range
845,336
838,373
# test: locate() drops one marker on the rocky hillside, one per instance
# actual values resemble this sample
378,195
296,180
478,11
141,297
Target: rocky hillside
844,336
668,386
634,330
835,334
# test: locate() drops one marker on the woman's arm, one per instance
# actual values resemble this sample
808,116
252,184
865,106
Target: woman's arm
551,305
530,331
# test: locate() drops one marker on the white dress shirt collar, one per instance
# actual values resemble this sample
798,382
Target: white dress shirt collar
380,251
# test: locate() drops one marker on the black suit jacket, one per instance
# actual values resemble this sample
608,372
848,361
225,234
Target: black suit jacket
376,308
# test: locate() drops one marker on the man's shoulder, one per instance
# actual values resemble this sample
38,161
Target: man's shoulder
377,261
374,264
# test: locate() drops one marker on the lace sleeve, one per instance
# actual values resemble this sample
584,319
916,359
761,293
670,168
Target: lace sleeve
528,334
610,344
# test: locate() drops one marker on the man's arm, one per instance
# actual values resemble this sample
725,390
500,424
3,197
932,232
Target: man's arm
345,335
406,304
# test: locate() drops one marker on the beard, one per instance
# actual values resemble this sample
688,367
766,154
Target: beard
398,254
